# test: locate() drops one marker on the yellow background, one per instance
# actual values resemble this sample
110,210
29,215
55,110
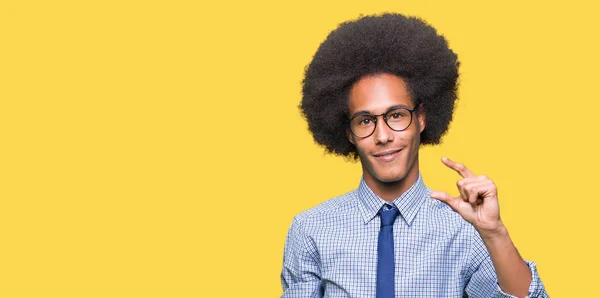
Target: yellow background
155,148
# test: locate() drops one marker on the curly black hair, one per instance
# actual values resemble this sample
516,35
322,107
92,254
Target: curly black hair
391,43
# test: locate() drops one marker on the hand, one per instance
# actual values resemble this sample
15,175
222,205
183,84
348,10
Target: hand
478,200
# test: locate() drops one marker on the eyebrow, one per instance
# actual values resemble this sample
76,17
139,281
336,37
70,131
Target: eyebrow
364,112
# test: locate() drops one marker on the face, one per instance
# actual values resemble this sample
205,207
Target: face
386,155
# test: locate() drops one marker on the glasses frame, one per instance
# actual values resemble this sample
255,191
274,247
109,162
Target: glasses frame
374,117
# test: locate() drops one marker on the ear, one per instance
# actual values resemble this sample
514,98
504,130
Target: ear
350,136
421,113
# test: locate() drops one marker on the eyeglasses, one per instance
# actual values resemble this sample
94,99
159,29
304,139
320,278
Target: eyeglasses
396,118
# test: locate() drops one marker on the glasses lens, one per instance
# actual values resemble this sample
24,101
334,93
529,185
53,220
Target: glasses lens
363,125
398,119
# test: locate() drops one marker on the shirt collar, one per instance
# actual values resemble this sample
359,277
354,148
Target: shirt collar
407,203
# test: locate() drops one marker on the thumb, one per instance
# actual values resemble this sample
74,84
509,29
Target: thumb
446,198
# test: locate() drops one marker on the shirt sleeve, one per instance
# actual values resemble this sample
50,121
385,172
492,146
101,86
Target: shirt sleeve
300,276
484,281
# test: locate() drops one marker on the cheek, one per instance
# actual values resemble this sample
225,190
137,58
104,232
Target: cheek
412,143
362,145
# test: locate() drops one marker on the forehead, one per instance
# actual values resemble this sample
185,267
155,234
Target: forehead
376,93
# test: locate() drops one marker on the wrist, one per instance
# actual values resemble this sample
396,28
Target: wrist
498,232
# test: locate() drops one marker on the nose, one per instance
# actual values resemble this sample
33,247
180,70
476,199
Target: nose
383,133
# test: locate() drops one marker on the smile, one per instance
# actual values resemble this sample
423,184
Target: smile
386,156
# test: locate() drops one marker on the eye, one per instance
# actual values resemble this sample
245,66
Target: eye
365,121
397,115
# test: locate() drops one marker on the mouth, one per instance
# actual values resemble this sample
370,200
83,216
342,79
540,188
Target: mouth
386,156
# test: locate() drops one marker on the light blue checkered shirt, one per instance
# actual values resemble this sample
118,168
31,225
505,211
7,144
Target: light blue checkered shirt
331,250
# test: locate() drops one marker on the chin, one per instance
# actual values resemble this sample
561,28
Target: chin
389,178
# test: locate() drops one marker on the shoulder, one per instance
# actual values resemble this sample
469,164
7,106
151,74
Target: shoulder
336,206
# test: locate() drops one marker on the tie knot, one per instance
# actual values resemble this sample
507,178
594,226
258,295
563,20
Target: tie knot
388,216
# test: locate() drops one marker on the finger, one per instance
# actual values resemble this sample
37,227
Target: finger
474,194
461,169
451,201
463,183
476,191
460,184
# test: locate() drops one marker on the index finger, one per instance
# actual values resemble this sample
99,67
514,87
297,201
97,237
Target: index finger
458,167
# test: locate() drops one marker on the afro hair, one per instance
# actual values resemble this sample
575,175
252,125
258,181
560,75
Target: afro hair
407,47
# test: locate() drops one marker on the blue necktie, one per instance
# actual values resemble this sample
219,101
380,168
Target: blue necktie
385,254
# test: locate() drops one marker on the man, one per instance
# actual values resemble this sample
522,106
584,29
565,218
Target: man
377,88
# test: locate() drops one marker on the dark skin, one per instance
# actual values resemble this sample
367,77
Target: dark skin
389,158
391,166
478,204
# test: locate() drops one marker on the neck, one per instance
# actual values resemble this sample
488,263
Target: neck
389,191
